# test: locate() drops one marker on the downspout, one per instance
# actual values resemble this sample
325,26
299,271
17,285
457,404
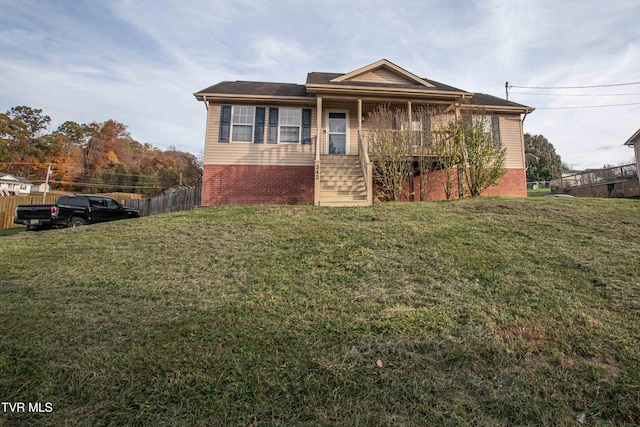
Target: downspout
524,149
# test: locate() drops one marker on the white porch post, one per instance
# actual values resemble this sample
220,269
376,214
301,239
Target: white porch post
316,163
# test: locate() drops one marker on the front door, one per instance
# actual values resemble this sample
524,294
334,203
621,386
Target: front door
337,132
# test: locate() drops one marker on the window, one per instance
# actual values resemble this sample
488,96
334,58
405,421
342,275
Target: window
78,201
290,124
242,120
490,127
97,203
112,204
420,132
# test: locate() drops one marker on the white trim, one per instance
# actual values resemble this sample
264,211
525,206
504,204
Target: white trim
326,130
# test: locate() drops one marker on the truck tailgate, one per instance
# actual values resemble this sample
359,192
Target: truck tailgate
34,212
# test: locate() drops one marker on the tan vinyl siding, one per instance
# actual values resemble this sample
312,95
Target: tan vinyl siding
244,153
512,139
381,75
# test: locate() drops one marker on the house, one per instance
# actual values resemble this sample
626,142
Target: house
284,143
14,186
634,142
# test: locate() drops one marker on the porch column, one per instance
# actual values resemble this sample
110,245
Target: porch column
319,126
413,173
359,115
316,163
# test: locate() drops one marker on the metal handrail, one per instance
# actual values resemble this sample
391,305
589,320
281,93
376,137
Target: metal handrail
596,176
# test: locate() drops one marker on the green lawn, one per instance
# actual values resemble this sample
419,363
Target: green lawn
540,192
483,312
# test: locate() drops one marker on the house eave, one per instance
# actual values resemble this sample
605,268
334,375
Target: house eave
222,97
632,141
391,91
500,108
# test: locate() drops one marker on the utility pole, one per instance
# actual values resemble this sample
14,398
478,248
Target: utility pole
506,89
46,183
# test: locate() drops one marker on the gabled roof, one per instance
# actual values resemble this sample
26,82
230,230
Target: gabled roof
381,70
634,139
8,178
12,178
316,78
379,80
380,77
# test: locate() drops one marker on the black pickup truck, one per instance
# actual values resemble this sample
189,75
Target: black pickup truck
72,211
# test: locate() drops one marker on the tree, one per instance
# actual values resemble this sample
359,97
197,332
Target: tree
483,160
389,145
549,164
89,157
447,144
424,142
22,140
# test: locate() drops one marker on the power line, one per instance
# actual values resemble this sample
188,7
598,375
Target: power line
576,94
587,106
22,164
91,184
573,87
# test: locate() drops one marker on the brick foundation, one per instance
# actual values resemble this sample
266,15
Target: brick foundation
512,184
251,185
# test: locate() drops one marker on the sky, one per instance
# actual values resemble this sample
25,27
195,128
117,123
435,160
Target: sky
140,61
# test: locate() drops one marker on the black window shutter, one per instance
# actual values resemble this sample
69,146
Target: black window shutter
306,126
495,122
258,130
273,126
225,123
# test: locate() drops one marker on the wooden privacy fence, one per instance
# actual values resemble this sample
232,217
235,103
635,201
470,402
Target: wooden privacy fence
181,199
9,204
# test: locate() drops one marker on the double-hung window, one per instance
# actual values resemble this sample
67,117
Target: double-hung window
290,125
490,127
242,121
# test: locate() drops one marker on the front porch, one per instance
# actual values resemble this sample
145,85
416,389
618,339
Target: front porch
343,169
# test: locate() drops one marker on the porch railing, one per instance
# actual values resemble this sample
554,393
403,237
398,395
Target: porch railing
366,165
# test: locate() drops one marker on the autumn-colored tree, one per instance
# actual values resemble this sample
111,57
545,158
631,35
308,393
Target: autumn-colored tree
21,140
549,164
89,157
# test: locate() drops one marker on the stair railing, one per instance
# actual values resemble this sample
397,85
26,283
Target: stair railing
366,166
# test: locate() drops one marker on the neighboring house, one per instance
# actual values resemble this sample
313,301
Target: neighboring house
294,144
634,142
16,186
41,188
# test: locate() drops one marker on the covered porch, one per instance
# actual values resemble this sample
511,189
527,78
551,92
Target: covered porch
343,170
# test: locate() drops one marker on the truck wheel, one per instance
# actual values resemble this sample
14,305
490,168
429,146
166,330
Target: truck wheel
77,222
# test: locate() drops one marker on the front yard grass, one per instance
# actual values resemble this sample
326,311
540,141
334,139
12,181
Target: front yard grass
482,312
